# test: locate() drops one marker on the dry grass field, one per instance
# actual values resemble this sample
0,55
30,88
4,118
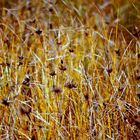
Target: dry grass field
69,70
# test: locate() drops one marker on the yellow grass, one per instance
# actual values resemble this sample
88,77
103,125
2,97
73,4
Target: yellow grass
69,70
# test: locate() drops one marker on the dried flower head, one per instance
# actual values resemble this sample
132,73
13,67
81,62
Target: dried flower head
62,62
86,33
109,69
26,81
86,96
56,89
38,31
21,57
63,68
138,55
51,9
117,52
70,85
7,64
52,73
71,50
5,101
20,60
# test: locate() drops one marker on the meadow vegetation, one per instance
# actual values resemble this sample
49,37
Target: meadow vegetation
69,70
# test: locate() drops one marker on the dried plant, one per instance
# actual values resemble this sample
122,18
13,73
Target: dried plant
69,70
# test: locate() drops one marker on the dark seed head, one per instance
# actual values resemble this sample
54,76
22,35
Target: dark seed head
38,31
62,68
109,70
56,89
62,61
86,33
20,60
5,101
26,81
51,9
52,73
70,85
104,104
139,55
20,63
71,50
7,64
20,57
117,51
